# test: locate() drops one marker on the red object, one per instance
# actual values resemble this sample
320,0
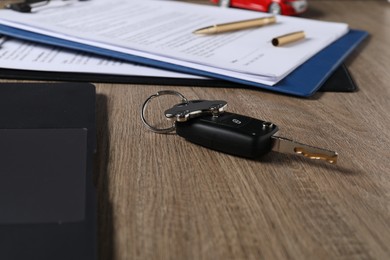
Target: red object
284,7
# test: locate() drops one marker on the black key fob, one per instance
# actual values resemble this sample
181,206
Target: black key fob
230,133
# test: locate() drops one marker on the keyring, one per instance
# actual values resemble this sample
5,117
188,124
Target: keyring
145,105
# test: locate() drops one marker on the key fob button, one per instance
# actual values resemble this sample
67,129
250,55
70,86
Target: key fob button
234,120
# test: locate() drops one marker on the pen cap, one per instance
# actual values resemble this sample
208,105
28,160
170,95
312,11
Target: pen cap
288,38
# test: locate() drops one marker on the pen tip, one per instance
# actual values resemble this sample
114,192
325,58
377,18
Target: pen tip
205,31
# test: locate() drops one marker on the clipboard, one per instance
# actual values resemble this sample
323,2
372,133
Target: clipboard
304,81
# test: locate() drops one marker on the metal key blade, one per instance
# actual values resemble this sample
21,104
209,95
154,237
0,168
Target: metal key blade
285,145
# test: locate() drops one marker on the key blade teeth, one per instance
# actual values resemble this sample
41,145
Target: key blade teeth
332,158
285,145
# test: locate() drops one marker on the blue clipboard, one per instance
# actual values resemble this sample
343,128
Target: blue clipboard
303,81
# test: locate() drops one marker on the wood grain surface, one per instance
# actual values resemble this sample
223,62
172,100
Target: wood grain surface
161,197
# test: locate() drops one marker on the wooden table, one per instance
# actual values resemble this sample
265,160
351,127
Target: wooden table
161,197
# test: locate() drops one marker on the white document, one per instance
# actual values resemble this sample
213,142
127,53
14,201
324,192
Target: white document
26,55
162,31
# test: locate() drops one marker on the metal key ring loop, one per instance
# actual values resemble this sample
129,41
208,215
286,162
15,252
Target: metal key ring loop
145,105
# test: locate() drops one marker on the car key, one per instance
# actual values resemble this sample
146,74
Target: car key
245,137
206,123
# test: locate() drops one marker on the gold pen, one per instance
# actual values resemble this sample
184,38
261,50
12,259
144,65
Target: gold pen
235,26
288,38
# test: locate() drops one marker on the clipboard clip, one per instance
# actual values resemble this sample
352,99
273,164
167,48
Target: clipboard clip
3,38
29,5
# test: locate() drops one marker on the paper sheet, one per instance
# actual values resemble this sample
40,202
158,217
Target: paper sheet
26,55
162,30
